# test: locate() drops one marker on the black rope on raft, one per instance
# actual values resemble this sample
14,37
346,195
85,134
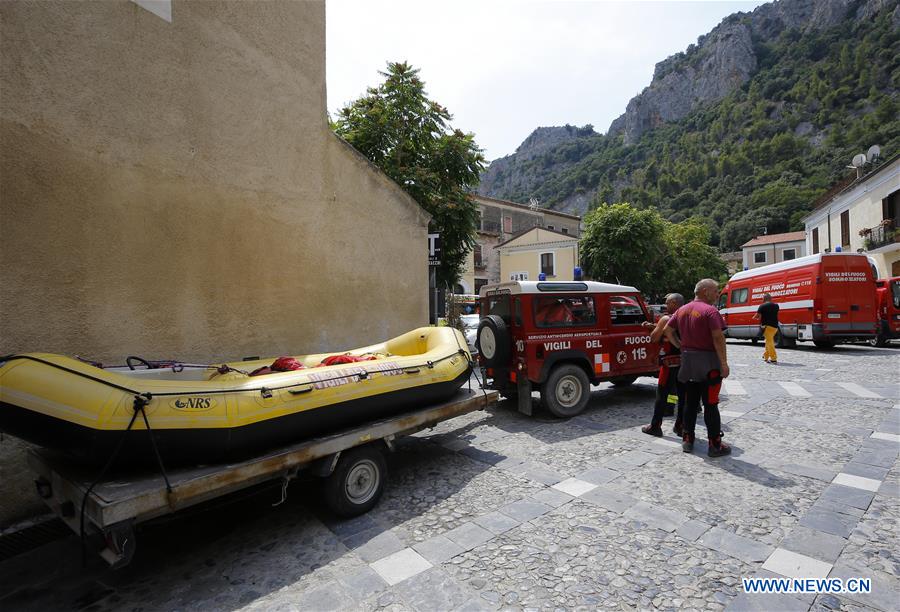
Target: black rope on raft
428,364
98,480
140,402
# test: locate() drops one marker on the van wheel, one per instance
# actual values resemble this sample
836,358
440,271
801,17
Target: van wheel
878,340
623,381
566,392
357,482
492,341
824,344
782,342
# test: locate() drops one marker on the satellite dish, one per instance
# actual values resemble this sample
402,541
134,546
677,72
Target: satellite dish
873,152
859,160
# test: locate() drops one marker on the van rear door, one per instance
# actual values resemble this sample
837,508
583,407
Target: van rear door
862,294
835,293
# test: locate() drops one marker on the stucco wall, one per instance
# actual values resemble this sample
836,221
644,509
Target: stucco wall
799,247
173,190
524,255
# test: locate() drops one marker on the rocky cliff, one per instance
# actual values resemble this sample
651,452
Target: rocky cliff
724,59
568,167
506,172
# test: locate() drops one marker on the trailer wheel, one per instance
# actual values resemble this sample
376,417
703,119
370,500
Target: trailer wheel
566,392
357,482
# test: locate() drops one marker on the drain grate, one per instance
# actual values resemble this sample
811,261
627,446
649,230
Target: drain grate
29,538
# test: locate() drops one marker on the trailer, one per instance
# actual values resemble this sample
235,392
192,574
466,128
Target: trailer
351,461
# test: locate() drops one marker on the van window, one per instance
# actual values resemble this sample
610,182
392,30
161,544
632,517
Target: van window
565,311
625,310
499,305
723,301
895,293
739,296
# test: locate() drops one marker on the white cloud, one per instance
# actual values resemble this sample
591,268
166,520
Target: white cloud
504,68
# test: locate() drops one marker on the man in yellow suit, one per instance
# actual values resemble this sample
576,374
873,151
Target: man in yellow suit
767,313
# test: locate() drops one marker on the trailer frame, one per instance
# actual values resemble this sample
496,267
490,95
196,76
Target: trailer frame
113,508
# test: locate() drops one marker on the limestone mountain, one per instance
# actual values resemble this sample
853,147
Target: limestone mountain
744,129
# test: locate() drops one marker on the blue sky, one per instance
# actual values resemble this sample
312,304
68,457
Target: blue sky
505,67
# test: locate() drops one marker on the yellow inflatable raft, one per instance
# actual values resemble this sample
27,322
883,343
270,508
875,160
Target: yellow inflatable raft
206,414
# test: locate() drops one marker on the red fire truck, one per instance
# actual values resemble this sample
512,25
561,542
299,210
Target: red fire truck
826,298
561,337
888,291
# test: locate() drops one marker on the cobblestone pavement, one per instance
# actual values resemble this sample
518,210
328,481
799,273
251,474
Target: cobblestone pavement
495,510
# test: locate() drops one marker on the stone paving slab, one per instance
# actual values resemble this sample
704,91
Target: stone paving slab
469,535
525,510
816,544
745,549
610,499
401,565
654,516
438,549
664,530
794,565
885,589
830,522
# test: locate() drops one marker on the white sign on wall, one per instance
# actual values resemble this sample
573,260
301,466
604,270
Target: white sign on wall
518,276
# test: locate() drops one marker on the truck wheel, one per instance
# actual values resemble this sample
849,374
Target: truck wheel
754,341
623,381
492,341
824,344
357,482
566,392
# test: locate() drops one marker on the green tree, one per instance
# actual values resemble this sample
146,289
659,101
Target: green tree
409,138
624,245
690,257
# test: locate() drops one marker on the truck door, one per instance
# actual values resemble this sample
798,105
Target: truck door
632,351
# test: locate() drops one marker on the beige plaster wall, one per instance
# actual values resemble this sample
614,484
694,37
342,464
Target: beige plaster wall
173,189
524,255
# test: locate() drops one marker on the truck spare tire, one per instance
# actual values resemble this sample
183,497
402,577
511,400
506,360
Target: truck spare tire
493,341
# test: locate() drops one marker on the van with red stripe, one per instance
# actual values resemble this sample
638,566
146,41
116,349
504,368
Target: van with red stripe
888,291
561,337
825,298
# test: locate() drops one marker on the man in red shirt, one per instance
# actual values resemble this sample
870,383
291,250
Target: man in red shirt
704,363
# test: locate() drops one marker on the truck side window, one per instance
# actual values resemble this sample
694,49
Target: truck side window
566,311
739,296
624,310
723,301
518,312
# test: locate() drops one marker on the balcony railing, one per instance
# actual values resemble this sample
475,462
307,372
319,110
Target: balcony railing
881,235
